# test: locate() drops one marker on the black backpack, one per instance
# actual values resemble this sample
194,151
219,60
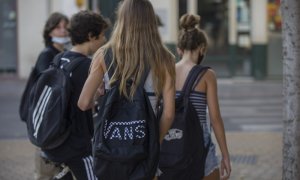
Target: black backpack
25,100
183,152
24,103
47,103
126,140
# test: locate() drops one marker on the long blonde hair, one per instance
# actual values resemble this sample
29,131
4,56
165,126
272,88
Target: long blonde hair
136,44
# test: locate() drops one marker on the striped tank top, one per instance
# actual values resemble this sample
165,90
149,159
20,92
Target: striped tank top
198,100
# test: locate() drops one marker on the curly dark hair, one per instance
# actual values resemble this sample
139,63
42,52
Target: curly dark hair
53,20
84,24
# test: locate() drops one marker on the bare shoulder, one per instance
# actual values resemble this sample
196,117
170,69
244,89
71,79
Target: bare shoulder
98,59
99,54
210,75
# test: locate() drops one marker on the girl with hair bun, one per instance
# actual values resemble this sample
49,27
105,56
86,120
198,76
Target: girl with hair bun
192,45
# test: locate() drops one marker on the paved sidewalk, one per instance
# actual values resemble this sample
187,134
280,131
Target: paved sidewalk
17,159
255,149
254,156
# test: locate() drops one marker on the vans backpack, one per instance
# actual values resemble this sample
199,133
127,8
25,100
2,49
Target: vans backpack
183,153
126,140
47,120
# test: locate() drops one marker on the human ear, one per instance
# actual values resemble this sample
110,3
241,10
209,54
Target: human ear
179,52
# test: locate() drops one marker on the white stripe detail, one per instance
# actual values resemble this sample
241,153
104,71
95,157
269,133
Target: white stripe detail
65,59
87,170
92,163
42,113
38,104
40,107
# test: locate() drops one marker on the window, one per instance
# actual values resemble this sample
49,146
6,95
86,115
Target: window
8,36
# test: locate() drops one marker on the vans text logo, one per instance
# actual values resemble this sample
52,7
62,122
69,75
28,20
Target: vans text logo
125,130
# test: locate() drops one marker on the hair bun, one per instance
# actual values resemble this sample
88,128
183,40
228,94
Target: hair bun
189,21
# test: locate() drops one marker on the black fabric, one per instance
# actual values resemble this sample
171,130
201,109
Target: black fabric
82,168
47,121
45,58
126,141
183,152
25,100
43,62
78,143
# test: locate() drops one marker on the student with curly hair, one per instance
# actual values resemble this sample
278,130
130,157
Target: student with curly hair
87,35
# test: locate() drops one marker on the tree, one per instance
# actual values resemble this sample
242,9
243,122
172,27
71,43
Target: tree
291,88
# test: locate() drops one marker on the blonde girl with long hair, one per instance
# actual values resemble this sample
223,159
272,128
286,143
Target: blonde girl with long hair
135,44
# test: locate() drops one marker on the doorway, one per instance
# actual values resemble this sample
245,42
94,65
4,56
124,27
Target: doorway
8,36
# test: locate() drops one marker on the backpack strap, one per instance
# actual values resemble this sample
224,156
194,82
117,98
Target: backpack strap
191,79
108,62
205,68
56,60
111,67
69,66
73,64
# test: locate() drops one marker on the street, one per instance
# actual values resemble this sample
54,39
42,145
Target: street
251,110
248,105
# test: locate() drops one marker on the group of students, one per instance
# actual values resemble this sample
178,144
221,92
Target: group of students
135,43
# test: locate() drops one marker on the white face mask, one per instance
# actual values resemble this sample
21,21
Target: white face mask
61,40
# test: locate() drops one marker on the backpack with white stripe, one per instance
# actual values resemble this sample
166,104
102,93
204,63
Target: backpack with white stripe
47,122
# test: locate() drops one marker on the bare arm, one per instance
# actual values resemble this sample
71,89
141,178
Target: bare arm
168,107
216,121
94,80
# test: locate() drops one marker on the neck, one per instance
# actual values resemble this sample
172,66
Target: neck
82,49
191,56
59,47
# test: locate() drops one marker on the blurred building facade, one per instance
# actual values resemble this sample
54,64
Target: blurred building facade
244,35
21,28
